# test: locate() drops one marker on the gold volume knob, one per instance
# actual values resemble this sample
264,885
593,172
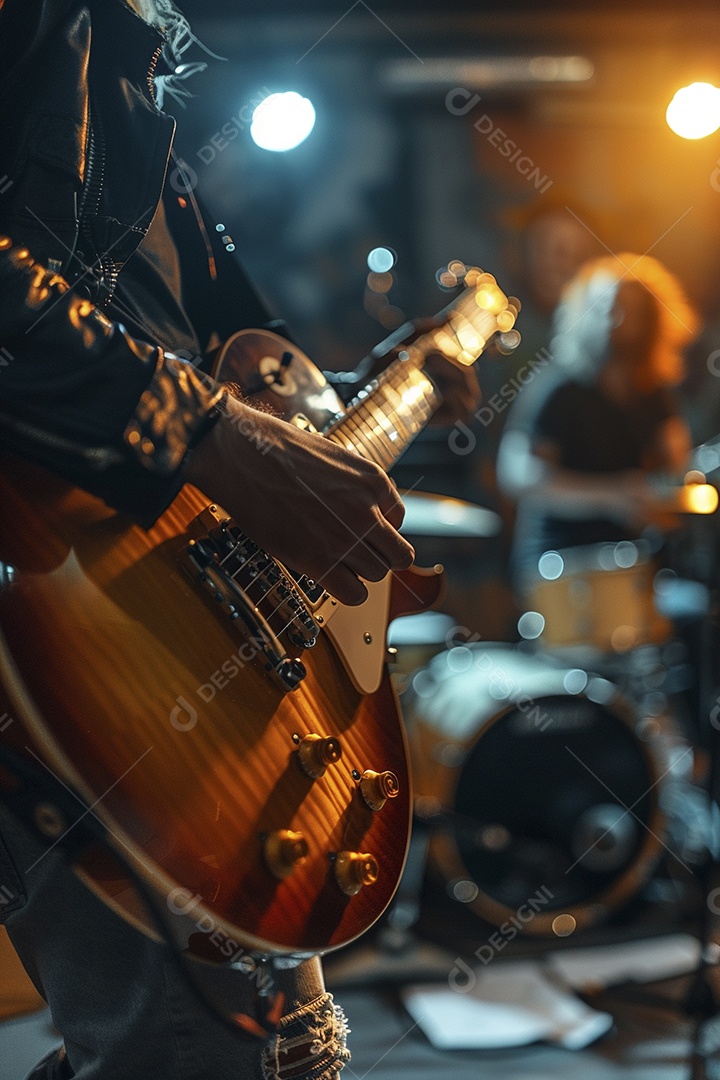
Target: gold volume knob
354,869
316,753
377,787
284,850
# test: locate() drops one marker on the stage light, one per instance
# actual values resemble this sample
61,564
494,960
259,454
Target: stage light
698,499
282,121
694,112
381,259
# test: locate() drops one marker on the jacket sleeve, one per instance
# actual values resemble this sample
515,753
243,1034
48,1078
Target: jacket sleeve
112,414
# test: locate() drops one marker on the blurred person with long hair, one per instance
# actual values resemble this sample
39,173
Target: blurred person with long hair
579,450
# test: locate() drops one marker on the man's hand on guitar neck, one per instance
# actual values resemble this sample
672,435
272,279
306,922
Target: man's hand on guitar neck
459,387
315,506
459,390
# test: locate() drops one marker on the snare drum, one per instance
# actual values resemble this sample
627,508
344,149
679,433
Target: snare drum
542,793
600,597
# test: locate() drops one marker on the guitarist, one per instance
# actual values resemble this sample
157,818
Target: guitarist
95,225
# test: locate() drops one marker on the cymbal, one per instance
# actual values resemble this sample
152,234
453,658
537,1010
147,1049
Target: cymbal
428,514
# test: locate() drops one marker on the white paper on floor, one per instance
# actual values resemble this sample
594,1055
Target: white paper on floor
509,1004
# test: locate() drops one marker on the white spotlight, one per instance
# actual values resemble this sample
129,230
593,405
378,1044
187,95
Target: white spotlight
694,112
282,121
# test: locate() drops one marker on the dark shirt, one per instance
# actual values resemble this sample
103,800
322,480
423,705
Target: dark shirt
593,434
148,297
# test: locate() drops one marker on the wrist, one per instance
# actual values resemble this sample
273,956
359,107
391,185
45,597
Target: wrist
205,451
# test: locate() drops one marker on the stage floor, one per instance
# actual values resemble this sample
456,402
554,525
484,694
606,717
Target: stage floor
645,1043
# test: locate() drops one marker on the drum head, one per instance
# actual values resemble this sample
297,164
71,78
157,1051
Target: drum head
551,807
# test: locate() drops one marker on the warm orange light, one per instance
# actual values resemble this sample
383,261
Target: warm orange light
694,112
699,499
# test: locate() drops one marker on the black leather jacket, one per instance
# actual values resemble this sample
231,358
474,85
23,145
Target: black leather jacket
83,158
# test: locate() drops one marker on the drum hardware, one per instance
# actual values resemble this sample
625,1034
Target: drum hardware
441,527
699,1002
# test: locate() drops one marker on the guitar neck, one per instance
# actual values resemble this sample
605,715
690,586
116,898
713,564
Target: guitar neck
388,414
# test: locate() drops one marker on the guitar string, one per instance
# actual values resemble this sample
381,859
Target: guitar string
365,446
417,411
383,445
282,580
394,373
396,377
355,444
373,437
384,426
384,451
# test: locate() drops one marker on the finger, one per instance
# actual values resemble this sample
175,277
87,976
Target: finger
344,585
391,547
363,561
394,512
381,551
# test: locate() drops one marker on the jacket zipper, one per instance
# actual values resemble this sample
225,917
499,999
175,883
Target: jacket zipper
94,181
151,73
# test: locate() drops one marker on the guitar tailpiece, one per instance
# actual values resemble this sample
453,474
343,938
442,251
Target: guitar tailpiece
310,1043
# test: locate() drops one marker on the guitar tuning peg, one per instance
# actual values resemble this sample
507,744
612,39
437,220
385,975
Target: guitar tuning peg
505,320
507,342
456,273
446,279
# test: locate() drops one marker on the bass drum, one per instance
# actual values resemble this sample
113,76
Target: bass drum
540,784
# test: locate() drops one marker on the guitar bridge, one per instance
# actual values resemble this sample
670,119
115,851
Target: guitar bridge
254,590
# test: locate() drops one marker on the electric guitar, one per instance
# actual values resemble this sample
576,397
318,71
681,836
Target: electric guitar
227,727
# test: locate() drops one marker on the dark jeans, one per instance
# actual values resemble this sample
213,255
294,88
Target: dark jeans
121,1005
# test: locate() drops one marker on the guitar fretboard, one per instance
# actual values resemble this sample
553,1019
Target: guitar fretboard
388,414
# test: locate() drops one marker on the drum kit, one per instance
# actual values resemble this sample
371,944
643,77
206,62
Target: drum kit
555,776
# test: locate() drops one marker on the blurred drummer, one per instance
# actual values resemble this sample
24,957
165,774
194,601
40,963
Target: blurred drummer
582,439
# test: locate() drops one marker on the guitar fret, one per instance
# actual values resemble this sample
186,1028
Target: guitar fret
362,417
386,429
389,414
416,411
347,442
405,408
400,410
378,432
369,449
